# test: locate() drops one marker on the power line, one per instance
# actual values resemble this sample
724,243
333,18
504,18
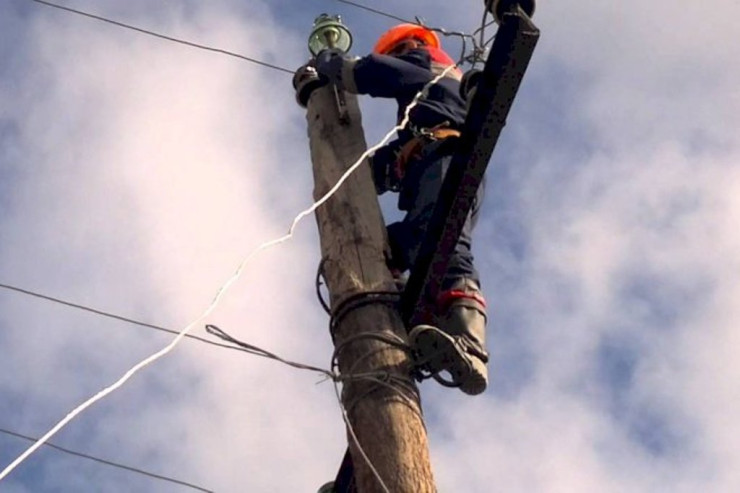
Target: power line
108,314
376,11
235,276
379,377
216,299
245,348
165,37
224,288
477,50
213,49
227,285
107,462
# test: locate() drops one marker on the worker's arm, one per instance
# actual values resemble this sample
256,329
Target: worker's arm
377,75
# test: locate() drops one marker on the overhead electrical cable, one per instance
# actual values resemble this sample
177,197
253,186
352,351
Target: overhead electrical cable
237,274
375,11
214,49
107,462
110,315
166,37
478,51
209,309
227,285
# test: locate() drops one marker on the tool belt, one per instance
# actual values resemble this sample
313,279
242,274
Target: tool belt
412,149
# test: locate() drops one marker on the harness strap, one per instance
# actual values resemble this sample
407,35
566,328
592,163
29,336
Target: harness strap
412,149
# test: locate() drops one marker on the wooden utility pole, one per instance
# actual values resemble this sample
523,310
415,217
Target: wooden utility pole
385,416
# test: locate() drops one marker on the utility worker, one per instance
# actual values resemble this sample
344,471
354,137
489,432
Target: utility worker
404,60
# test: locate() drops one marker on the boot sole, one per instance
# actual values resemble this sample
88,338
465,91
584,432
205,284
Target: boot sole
440,353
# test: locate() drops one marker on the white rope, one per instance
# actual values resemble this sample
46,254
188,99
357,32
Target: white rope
221,292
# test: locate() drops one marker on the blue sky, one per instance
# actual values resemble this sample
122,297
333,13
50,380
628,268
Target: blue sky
136,174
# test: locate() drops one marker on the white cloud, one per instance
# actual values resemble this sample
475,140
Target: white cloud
149,173
149,170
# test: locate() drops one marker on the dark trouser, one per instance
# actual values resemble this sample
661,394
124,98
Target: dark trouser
419,191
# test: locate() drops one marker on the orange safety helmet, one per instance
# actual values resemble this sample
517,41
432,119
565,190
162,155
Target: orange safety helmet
392,37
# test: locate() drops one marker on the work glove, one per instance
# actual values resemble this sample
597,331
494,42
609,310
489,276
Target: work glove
383,167
305,80
329,65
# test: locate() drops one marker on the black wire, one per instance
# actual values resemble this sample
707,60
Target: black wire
227,52
319,275
463,36
358,300
256,351
107,462
418,21
212,329
165,37
482,29
375,11
112,315
390,339
477,50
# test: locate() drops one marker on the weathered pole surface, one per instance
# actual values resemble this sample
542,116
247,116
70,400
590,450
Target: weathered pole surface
388,423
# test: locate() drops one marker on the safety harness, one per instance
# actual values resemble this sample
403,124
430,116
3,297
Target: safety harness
412,149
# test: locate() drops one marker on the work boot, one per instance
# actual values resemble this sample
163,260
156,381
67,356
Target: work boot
458,346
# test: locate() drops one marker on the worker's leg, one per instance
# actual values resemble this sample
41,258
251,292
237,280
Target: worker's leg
461,262
463,320
420,190
462,311
459,348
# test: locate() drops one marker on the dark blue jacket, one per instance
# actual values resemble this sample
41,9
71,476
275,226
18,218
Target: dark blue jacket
400,78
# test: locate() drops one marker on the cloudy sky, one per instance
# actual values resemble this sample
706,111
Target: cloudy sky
136,174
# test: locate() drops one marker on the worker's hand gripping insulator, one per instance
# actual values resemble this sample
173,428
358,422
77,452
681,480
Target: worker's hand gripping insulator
305,80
